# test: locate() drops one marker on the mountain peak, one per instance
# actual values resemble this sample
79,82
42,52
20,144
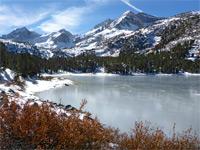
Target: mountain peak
65,32
23,29
128,21
128,12
62,31
21,35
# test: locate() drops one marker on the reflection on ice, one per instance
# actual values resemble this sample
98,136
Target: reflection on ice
121,100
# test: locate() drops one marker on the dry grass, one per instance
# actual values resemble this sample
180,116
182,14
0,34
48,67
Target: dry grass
2,81
18,83
77,83
39,127
47,78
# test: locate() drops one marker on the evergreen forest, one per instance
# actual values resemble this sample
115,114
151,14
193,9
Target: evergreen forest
172,62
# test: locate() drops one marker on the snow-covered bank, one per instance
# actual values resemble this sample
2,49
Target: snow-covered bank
81,74
42,85
189,74
31,85
63,73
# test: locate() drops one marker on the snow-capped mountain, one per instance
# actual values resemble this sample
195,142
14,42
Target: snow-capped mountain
60,39
67,43
140,32
131,21
128,21
162,35
108,29
21,35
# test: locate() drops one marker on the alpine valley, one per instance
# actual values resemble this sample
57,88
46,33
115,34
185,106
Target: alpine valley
131,43
124,69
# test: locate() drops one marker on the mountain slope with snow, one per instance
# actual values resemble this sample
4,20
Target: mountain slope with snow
24,47
60,39
163,34
147,19
124,25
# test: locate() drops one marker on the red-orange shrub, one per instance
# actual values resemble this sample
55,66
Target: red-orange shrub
143,136
33,127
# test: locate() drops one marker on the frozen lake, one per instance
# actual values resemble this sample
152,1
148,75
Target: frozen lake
119,101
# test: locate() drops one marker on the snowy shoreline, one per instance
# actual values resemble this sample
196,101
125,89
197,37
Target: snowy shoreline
112,74
31,85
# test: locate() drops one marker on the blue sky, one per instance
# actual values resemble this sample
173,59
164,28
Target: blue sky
79,16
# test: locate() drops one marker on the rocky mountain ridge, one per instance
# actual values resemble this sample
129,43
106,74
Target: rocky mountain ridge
140,32
64,39
21,35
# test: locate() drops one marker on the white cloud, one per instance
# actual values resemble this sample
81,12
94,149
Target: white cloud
14,16
127,2
68,19
11,17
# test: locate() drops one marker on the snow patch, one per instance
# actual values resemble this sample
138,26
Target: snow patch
194,52
7,75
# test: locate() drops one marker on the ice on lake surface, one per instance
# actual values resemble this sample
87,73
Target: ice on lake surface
119,101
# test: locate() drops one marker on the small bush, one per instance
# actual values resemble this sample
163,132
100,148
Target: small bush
143,136
48,78
18,83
